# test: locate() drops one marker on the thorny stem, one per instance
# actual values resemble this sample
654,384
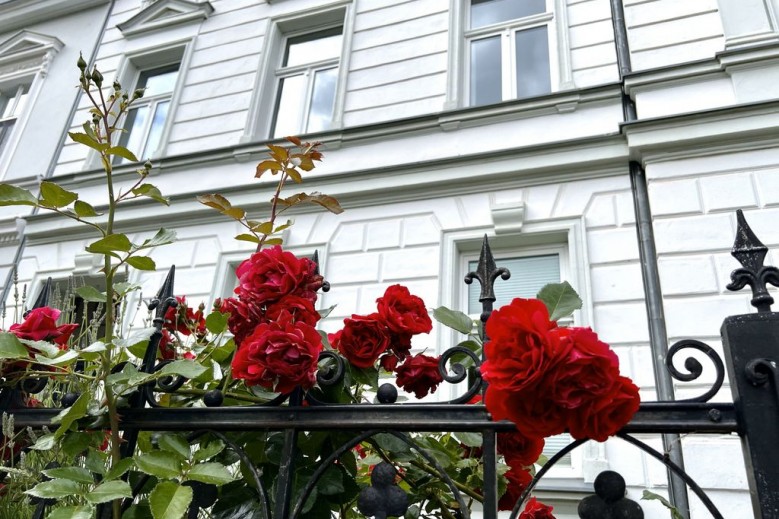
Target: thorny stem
274,204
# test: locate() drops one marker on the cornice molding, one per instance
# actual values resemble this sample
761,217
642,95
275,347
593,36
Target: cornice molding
165,14
21,14
26,52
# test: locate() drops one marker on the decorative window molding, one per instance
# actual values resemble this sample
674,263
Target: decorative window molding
24,63
164,14
14,15
282,31
499,40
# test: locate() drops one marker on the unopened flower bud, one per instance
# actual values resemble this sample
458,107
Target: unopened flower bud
95,119
97,77
82,65
147,165
125,96
138,93
117,86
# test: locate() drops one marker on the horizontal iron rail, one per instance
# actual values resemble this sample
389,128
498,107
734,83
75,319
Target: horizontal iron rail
653,417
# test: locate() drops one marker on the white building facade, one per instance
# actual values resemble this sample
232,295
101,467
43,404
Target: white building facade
441,121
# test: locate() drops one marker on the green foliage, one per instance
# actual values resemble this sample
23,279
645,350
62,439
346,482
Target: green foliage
453,319
648,495
560,299
169,500
12,195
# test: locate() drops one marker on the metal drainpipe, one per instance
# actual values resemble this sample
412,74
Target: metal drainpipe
55,156
677,489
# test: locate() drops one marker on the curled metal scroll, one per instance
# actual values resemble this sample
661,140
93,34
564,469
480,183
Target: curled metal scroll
694,367
457,373
330,376
760,371
325,464
33,385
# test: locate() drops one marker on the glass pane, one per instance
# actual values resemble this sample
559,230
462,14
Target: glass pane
290,106
158,81
533,62
155,133
486,74
6,127
487,12
320,114
134,129
313,47
529,274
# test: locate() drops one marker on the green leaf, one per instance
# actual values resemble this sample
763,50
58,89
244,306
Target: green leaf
77,474
453,319
121,152
216,322
84,210
469,439
109,491
248,237
175,444
185,368
85,139
56,489
11,348
331,483
274,241
647,495
12,195
141,262
560,299
139,511
90,294
66,417
261,227
119,469
45,442
53,195
47,348
152,192
169,500
72,512
159,463
209,450
95,461
109,244
59,360
211,473
163,237
222,205
74,443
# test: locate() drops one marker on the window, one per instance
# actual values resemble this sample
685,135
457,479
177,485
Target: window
530,271
146,119
12,102
509,49
307,81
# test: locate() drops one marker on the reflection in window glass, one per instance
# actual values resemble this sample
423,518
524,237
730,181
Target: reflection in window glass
157,124
313,47
320,114
158,82
532,50
487,12
6,127
290,106
486,74
135,128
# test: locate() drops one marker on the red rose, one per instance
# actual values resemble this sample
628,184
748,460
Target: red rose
517,480
518,449
272,273
166,348
41,325
419,374
279,355
521,348
402,312
244,317
535,509
607,415
361,341
589,371
534,415
400,343
389,362
302,309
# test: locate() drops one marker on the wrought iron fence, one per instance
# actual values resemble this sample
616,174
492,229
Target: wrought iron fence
751,355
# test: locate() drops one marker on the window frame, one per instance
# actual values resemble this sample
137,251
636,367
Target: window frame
7,132
460,36
507,31
308,70
283,24
152,102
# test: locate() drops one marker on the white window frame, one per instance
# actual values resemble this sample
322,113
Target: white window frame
261,121
129,72
16,111
460,37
